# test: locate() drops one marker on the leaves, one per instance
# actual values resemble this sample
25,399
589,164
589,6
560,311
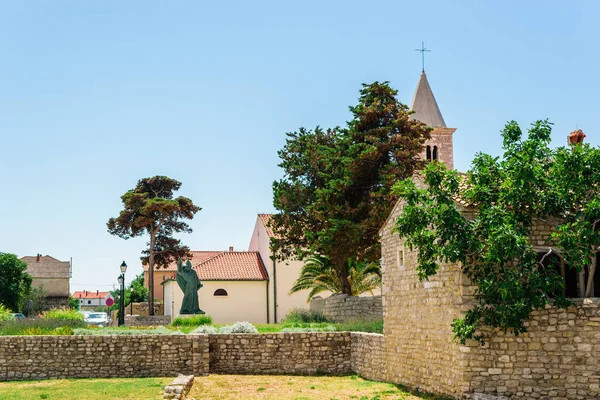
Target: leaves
530,184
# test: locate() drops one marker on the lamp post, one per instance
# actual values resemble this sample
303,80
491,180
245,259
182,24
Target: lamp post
122,302
131,301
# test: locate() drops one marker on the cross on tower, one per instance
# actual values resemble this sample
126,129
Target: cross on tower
422,50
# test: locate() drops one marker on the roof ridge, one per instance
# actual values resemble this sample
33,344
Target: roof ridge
425,106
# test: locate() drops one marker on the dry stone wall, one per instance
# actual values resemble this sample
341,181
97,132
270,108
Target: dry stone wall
44,357
367,355
281,353
147,320
341,307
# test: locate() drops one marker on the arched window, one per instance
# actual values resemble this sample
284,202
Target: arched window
220,292
435,153
428,153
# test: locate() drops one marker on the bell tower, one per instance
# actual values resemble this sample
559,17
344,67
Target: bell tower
426,110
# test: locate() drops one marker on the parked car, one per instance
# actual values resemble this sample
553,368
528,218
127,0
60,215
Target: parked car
17,316
97,318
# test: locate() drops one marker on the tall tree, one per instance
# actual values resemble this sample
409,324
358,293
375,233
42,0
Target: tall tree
530,184
150,209
336,190
15,283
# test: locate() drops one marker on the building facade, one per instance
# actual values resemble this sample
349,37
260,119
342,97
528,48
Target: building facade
52,275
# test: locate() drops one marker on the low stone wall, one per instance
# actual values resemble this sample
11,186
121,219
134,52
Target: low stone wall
368,355
146,320
558,358
44,357
281,353
142,308
341,307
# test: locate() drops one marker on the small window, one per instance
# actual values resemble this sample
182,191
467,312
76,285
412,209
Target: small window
400,258
89,302
428,153
435,152
220,292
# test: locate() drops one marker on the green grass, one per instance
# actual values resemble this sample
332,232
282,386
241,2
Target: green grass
89,389
40,327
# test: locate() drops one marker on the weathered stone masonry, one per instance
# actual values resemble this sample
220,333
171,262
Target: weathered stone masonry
341,307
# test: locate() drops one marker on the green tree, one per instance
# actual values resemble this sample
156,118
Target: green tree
140,292
336,190
530,184
150,209
15,283
319,275
34,301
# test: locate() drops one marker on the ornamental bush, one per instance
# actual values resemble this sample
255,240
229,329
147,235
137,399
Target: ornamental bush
238,327
62,315
204,329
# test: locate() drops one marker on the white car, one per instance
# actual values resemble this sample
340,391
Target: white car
97,318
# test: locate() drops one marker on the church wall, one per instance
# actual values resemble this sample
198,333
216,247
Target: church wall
245,301
442,138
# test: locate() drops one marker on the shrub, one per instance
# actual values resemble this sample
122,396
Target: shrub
159,330
62,315
204,329
5,313
303,315
40,327
194,320
238,327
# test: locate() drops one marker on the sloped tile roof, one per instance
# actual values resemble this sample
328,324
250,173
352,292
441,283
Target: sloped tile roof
197,258
232,266
265,219
47,267
84,294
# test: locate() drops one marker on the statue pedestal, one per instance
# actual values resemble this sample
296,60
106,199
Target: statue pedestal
191,315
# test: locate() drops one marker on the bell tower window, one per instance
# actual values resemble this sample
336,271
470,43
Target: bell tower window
428,153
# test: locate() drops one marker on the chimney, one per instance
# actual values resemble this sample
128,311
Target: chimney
97,292
575,137
38,257
230,248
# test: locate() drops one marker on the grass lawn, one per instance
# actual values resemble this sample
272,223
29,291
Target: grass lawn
89,389
222,387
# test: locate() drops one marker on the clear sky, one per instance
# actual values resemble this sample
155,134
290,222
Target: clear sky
95,95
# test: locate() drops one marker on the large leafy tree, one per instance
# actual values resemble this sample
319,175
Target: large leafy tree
151,209
15,283
318,275
530,184
336,190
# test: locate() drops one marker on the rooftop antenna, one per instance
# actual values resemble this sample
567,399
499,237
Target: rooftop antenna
422,50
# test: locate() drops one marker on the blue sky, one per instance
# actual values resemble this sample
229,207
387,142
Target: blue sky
96,95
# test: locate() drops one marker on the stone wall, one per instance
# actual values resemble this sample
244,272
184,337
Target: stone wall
44,357
142,308
367,355
558,358
341,307
281,353
146,320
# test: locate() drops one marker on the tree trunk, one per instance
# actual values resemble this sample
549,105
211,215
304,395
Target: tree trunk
342,272
151,272
590,280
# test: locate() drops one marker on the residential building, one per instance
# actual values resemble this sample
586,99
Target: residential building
91,299
52,275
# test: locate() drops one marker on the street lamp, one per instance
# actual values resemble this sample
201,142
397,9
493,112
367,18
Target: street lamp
131,301
122,302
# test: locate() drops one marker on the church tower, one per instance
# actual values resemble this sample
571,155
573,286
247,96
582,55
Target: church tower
439,147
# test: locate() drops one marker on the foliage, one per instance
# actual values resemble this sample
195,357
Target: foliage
204,329
139,293
530,184
34,302
194,320
327,328
238,327
62,315
319,275
15,283
303,315
39,326
5,313
74,303
336,190
150,209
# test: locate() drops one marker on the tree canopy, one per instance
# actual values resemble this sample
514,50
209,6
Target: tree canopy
15,283
336,190
150,209
531,184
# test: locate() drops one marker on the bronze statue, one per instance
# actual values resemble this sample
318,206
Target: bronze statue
188,281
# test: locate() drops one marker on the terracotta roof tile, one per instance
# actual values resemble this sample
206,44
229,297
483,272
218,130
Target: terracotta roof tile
233,266
84,294
265,219
197,258
47,267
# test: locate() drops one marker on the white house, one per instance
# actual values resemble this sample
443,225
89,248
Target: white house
91,299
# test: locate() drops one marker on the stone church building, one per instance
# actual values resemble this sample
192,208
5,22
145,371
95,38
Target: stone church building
558,358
